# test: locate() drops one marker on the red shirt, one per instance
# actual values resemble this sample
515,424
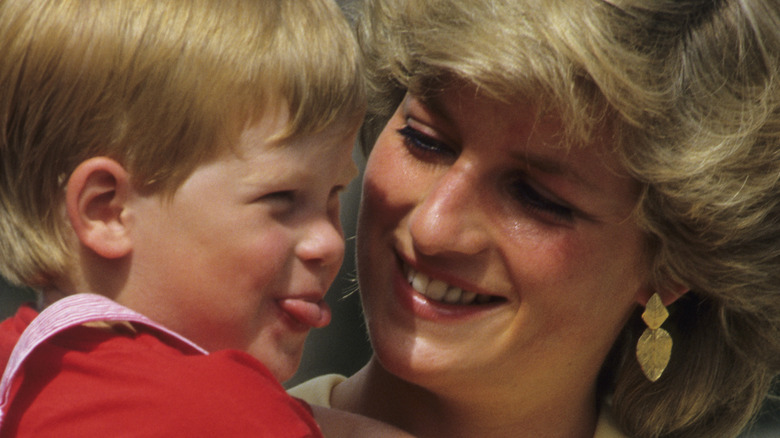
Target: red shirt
103,382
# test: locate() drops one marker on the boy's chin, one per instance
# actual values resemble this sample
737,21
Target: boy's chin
282,365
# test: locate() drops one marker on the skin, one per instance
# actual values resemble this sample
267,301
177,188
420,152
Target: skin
480,195
240,256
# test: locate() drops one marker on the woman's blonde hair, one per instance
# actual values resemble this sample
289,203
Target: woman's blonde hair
690,91
159,86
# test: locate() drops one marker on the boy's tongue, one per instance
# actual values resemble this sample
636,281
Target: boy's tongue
313,314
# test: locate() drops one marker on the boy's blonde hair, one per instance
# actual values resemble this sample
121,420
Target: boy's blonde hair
159,86
690,90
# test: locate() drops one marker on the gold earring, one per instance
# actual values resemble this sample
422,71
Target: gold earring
655,345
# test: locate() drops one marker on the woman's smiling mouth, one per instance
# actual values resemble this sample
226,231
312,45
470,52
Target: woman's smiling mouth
442,292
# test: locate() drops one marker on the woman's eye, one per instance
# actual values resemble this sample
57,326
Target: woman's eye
531,199
423,144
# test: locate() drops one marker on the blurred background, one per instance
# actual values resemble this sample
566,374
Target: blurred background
342,347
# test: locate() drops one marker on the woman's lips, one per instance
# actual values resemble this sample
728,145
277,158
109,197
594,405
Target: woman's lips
453,305
442,292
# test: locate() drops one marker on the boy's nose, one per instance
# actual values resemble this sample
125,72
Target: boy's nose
323,243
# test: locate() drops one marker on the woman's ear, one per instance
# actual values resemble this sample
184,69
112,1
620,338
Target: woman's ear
95,201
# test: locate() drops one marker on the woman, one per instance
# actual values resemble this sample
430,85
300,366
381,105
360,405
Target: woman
552,177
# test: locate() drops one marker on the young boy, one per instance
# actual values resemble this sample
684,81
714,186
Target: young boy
170,181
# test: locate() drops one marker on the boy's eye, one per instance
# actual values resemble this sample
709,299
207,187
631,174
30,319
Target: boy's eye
423,144
279,203
280,196
534,201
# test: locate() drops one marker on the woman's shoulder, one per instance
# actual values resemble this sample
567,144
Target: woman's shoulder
317,390
339,423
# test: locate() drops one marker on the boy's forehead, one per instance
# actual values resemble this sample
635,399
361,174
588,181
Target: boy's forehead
273,131
276,119
283,162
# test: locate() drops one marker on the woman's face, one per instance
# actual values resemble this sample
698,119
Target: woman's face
491,258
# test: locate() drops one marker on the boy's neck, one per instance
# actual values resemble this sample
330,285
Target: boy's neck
48,296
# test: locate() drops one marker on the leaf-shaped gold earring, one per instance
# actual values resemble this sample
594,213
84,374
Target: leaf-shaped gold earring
655,345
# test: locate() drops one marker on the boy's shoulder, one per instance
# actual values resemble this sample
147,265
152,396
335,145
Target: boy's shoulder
11,329
141,381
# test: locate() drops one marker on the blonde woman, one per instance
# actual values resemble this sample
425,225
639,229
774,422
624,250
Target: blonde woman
569,218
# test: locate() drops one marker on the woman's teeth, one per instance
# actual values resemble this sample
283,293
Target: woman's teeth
438,290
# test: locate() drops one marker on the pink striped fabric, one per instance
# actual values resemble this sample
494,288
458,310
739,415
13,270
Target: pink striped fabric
68,312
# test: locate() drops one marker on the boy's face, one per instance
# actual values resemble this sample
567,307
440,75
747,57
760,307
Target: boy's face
242,255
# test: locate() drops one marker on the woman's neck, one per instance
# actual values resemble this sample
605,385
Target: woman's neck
376,393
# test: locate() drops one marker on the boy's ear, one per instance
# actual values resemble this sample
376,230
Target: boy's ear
668,296
95,200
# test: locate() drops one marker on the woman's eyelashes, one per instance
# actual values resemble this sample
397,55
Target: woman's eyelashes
423,144
537,203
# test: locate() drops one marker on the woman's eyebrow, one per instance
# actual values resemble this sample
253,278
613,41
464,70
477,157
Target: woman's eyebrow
432,105
552,166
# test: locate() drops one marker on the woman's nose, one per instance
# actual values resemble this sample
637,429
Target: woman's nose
322,242
449,217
